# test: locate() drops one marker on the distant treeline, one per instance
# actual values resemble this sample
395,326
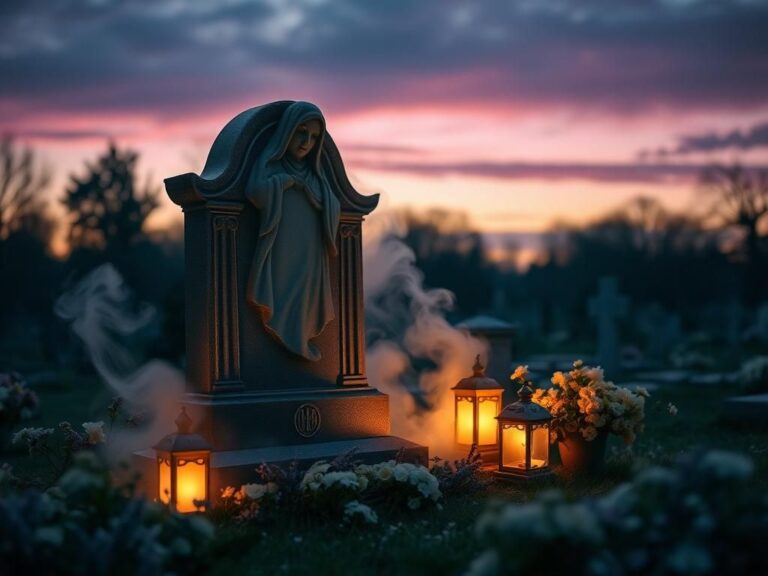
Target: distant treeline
679,262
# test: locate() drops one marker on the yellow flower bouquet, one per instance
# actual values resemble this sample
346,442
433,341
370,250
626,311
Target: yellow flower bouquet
582,401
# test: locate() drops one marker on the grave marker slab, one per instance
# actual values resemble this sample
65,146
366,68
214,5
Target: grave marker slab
275,340
606,308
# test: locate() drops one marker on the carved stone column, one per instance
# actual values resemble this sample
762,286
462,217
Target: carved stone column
225,333
351,319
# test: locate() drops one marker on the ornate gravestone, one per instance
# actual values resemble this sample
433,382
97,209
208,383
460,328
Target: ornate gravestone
606,307
273,295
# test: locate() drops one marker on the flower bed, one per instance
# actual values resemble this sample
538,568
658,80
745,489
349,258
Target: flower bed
697,518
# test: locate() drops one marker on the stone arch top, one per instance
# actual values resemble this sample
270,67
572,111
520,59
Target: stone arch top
233,153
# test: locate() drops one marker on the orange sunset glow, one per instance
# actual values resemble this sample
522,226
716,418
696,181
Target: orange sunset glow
487,110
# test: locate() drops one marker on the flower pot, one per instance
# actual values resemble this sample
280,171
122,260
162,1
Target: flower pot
580,456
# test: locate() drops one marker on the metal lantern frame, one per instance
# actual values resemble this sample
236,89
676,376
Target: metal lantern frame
526,417
476,390
174,452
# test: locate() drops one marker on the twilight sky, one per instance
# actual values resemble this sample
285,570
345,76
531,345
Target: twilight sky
519,112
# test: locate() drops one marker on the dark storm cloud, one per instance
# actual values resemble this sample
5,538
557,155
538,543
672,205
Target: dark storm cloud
170,57
755,137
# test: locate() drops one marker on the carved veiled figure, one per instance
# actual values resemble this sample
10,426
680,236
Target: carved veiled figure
290,279
273,251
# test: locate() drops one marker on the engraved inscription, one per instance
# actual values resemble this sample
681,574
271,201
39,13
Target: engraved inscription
307,420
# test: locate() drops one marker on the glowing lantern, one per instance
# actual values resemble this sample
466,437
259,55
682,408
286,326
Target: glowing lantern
523,438
183,461
478,400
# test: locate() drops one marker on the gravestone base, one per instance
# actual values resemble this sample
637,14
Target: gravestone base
235,421
237,467
280,427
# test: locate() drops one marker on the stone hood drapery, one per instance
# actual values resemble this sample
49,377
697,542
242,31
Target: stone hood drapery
290,279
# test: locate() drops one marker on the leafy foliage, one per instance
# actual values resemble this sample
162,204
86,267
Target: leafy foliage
460,477
696,518
17,401
85,525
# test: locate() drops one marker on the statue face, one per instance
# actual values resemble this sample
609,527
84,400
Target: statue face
304,138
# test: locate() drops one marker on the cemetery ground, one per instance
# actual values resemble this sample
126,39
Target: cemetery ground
433,540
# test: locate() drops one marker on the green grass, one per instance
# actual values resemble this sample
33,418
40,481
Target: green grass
434,541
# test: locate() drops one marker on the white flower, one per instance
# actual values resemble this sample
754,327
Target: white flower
254,491
643,391
384,472
314,474
366,513
95,432
343,479
401,473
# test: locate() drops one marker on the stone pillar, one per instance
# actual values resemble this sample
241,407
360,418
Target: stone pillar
225,329
211,300
351,316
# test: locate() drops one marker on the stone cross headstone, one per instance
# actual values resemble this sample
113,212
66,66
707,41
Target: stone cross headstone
275,341
606,308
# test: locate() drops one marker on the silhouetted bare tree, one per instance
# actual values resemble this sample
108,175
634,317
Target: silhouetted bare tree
739,197
23,179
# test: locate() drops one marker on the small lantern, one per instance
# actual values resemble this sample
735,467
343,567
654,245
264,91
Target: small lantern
183,462
478,401
523,439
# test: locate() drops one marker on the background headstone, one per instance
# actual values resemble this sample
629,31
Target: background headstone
606,308
501,337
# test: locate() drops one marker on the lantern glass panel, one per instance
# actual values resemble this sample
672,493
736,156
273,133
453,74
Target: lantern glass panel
487,409
465,421
191,483
513,442
540,446
165,481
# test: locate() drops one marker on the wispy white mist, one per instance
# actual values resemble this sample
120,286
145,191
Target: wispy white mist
101,312
414,354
